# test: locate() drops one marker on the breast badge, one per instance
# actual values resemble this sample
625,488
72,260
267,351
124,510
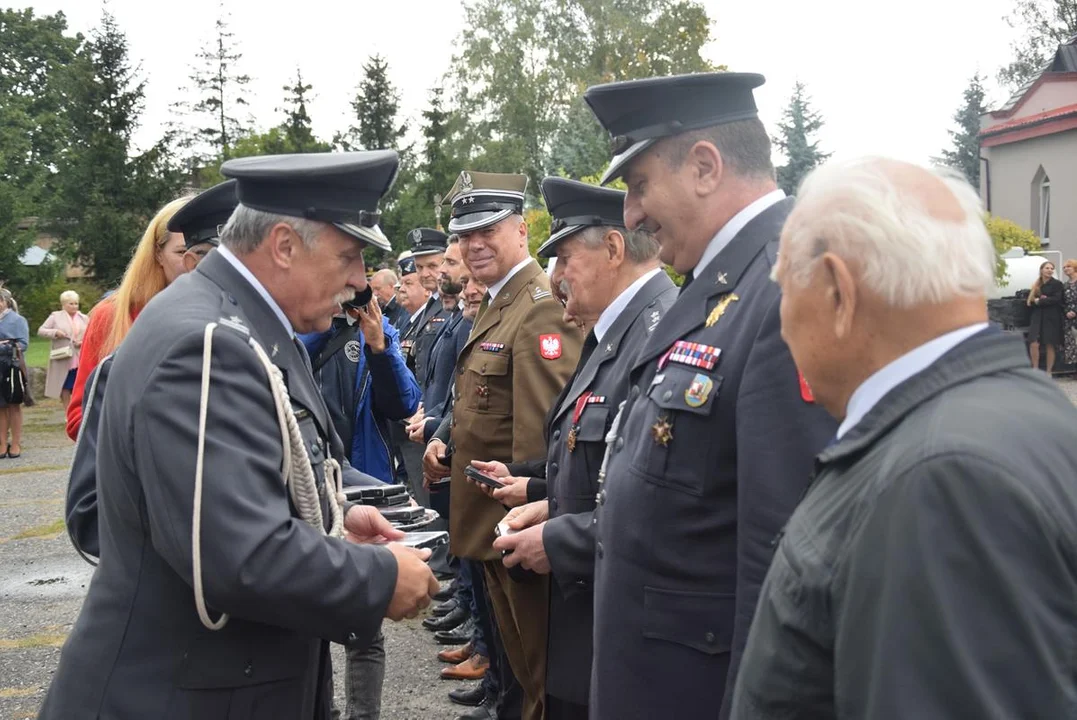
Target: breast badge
662,431
697,393
720,308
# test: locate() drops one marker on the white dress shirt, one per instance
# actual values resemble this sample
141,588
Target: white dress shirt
611,313
258,286
875,388
735,225
500,284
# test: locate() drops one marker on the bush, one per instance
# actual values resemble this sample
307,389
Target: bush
1006,235
37,301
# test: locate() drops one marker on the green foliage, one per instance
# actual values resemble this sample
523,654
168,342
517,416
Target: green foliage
1006,234
795,139
965,153
1044,25
298,136
40,299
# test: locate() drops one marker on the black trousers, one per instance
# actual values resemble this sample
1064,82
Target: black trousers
499,679
558,709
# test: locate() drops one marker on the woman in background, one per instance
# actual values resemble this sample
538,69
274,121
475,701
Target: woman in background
158,260
14,334
1045,323
65,329
1069,311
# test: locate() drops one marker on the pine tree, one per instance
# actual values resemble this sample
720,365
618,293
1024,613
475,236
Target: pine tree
219,112
104,197
376,106
799,124
298,135
965,154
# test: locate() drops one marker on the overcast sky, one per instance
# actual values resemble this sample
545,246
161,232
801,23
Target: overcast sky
887,76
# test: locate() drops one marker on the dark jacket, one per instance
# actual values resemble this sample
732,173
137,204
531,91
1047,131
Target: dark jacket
439,379
81,504
931,570
713,451
428,328
138,649
395,314
362,415
1045,320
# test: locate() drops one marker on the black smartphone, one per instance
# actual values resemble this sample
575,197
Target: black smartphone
360,299
478,476
425,539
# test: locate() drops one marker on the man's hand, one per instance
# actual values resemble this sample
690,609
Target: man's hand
527,515
416,430
492,468
525,548
370,323
415,583
514,493
433,469
364,524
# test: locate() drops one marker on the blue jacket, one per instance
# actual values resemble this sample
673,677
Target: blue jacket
362,415
439,380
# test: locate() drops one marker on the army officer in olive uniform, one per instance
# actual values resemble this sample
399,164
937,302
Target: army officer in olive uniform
516,361
715,444
218,587
613,283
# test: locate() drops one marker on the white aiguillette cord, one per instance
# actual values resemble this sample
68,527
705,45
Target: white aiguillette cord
296,470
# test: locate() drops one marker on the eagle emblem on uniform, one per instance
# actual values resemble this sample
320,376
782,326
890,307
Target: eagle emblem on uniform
465,182
550,346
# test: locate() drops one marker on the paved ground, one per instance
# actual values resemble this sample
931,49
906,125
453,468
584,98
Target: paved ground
43,580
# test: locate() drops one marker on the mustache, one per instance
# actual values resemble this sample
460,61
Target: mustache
344,296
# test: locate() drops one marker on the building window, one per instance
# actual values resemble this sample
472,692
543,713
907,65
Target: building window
1045,210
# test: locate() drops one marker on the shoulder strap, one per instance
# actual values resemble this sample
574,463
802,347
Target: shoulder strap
335,345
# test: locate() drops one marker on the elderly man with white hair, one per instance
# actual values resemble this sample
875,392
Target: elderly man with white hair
931,569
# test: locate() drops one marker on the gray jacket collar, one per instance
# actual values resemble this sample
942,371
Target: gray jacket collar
985,353
719,277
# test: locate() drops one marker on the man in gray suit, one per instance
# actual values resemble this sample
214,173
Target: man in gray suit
220,581
612,282
716,439
929,571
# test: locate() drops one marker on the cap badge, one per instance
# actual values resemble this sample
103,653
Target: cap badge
465,182
416,236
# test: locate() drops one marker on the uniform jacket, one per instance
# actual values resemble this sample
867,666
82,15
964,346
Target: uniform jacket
441,372
930,570
572,477
138,649
515,362
80,511
362,415
395,313
714,449
430,326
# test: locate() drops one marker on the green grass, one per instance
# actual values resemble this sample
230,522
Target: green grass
38,353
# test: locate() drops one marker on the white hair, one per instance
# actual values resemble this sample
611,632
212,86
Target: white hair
247,227
640,245
857,210
68,296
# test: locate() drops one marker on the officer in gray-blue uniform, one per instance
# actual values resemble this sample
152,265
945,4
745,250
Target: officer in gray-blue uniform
227,561
427,250
714,446
612,282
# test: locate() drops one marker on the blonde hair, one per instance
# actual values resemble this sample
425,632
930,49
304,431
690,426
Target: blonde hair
1036,286
1070,263
67,295
144,276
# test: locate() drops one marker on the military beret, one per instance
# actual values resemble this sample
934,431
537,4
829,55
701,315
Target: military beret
574,205
202,218
338,188
638,113
482,199
407,265
427,241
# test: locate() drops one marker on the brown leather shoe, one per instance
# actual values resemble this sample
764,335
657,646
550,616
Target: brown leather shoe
456,655
471,669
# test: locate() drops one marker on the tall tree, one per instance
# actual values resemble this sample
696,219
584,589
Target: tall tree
219,112
795,137
34,51
523,64
964,154
1044,25
104,196
376,106
298,135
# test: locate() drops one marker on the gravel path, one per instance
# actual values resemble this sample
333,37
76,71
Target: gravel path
43,580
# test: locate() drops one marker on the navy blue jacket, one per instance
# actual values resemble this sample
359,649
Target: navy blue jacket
361,415
439,380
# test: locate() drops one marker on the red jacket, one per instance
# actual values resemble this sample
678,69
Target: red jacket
92,344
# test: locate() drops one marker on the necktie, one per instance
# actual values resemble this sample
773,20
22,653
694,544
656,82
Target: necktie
687,281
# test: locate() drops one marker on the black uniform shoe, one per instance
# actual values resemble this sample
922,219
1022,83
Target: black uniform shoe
454,619
470,696
446,607
447,592
457,636
486,711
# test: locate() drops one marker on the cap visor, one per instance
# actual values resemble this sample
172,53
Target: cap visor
548,249
619,163
477,221
372,236
427,251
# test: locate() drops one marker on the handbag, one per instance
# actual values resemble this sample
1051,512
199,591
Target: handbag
61,353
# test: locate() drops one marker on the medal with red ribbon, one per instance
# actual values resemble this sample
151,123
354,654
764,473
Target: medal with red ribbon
581,403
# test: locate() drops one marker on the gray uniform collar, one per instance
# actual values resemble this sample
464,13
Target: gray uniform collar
985,353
